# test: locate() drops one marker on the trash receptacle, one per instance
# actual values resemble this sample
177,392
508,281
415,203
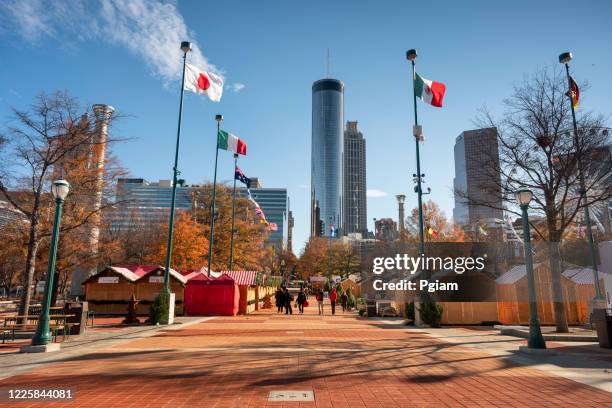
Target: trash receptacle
78,322
371,308
603,324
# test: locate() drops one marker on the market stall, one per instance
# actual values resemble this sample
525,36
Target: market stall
205,296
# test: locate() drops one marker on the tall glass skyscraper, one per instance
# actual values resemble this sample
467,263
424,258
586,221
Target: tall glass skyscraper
326,157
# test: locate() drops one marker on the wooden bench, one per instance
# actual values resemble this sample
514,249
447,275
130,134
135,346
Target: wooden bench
27,323
27,327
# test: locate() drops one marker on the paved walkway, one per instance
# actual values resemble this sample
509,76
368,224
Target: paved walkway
346,361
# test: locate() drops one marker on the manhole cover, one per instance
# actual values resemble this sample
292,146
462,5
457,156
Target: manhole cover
291,396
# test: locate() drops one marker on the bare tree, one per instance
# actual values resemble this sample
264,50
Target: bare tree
50,140
537,149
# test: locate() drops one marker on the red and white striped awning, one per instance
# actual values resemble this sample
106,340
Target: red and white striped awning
242,277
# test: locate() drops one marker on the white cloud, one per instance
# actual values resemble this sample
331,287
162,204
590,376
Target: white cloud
152,30
303,186
237,86
374,193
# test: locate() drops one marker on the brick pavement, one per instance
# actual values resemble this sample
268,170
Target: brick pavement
345,360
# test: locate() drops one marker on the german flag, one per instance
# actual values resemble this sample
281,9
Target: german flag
431,232
574,92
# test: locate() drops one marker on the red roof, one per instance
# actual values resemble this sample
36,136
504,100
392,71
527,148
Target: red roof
242,277
199,277
190,271
140,270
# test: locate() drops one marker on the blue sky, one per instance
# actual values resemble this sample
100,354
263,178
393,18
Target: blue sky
125,54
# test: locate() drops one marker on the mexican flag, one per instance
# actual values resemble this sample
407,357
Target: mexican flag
203,82
429,91
228,141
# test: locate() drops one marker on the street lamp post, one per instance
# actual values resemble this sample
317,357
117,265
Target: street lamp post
535,341
329,254
283,271
564,59
59,190
374,230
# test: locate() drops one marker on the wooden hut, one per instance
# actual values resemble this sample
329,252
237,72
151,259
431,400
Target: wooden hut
110,290
584,290
205,296
474,302
247,285
353,282
151,282
513,297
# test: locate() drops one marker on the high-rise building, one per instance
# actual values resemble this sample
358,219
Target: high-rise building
354,175
326,155
146,202
273,203
478,198
143,202
290,225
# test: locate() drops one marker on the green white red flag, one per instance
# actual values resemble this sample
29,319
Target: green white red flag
228,141
430,92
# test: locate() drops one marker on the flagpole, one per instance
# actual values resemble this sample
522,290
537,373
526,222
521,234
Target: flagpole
411,55
219,119
231,259
565,58
185,47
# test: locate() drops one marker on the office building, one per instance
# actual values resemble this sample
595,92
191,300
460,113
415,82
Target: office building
273,203
143,203
326,155
140,201
478,199
354,175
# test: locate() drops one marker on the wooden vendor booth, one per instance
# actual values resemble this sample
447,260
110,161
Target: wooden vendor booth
206,296
513,298
151,282
110,290
584,290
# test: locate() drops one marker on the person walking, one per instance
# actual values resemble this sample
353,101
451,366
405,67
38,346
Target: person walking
333,297
288,300
319,297
344,301
301,300
279,298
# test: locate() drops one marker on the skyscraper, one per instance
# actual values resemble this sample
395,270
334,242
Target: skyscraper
354,186
326,154
478,199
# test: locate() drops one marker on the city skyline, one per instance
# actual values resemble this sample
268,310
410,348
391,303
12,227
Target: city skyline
275,120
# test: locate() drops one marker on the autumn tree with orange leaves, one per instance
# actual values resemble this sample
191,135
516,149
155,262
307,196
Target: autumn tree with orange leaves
443,229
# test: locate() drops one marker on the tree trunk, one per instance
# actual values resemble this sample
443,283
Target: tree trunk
30,268
557,286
